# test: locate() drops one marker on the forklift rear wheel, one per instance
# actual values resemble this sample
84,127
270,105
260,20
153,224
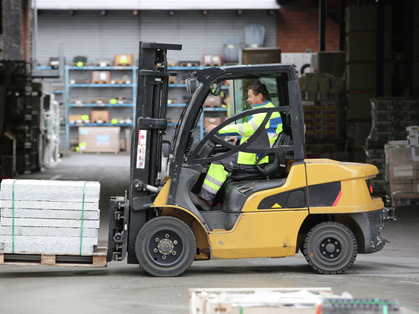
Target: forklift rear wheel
165,247
330,248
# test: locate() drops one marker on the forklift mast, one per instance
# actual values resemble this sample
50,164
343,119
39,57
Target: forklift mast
127,217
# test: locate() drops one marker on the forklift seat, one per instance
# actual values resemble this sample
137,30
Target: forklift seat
236,194
274,169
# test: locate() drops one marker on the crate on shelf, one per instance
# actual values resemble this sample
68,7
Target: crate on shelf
101,77
99,139
100,116
79,61
124,60
212,60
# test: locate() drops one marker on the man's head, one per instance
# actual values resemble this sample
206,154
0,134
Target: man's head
257,93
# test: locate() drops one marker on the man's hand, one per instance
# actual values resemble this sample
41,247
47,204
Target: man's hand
232,138
210,128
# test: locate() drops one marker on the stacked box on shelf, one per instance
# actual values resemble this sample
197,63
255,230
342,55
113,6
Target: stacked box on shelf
16,77
98,140
390,117
361,62
377,158
322,86
322,119
57,217
402,173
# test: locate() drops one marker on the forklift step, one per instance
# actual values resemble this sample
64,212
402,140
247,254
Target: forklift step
98,259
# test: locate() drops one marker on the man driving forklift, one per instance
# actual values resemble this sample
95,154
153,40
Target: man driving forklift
258,97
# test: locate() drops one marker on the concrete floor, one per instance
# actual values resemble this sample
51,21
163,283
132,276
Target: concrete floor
122,288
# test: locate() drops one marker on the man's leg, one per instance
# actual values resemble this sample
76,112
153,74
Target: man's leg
216,176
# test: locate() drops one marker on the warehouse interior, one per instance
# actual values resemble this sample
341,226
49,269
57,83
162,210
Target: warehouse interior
68,76
68,98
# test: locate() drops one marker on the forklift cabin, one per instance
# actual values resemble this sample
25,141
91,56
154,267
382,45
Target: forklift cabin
260,212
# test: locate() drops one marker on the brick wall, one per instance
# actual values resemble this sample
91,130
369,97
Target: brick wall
298,29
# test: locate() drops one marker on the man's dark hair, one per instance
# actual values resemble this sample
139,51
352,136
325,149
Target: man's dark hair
260,88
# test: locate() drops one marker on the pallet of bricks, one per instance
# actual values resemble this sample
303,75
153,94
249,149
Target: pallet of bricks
50,223
402,169
323,129
361,69
285,301
390,118
322,105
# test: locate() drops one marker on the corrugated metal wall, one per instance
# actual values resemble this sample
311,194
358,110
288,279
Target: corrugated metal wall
119,32
154,5
89,33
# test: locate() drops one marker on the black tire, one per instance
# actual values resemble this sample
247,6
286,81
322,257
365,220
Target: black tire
165,247
330,248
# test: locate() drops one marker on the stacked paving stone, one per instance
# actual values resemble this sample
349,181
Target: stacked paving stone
40,216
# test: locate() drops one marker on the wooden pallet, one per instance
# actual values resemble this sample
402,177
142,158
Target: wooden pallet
189,63
99,151
212,65
81,82
120,82
98,259
100,82
123,64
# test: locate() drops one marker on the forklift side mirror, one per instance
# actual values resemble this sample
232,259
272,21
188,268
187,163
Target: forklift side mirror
216,88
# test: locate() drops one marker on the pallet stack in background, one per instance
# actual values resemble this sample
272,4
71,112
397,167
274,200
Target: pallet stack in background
361,59
390,118
56,217
402,169
323,115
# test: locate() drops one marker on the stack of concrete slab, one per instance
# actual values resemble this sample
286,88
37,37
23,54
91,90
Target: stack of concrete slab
58,217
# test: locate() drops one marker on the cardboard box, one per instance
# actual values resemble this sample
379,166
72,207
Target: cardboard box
364,76
101,77
359,132
213,101
75,118
212,60
99,139
212,120
100,115
362,46
399,163
124,60
260,55
331,62
364,18
359,106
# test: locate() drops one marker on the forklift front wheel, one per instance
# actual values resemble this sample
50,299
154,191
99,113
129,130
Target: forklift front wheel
165,247
330,248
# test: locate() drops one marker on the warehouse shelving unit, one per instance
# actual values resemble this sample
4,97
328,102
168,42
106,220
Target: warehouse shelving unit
183,104
72,106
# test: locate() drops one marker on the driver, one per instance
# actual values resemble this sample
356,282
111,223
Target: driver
258,97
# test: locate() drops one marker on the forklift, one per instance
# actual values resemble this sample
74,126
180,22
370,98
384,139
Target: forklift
322,207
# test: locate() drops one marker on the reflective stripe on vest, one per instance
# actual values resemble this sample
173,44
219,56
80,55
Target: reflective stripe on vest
246,129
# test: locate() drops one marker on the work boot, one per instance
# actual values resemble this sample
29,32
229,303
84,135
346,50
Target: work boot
205,205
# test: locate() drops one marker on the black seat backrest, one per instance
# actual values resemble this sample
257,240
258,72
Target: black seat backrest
277,161
274,169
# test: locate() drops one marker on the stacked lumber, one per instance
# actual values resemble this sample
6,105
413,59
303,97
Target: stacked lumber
40,216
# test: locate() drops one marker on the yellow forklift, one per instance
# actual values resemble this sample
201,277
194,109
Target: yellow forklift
321,207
